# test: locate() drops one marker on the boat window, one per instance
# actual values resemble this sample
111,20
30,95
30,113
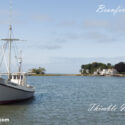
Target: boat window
21,77
10,77
14,76
18,77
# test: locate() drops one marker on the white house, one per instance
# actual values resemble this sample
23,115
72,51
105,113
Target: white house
105,72
97,72
108,72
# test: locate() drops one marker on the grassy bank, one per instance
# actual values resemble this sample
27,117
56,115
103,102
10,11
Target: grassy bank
56,75
116,75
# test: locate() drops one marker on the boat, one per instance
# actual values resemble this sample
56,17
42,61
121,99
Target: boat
13,85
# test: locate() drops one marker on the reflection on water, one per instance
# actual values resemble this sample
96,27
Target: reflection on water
65,101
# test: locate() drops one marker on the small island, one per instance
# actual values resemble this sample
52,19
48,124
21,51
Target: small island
37,71
101,69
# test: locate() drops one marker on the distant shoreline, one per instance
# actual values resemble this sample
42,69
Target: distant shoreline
116,75
56,75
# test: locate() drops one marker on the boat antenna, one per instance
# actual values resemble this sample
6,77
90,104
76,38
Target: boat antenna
20,61
10,12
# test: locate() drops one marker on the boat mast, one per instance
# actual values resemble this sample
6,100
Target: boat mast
10,40
9,54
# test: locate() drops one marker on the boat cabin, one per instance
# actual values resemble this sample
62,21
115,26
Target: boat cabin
17,78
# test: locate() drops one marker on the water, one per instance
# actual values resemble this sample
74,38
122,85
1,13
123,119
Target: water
64,100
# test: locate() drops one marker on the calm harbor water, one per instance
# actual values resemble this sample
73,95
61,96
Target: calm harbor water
64,100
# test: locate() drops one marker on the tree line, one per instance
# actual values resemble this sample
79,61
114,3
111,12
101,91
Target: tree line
92,67
39,70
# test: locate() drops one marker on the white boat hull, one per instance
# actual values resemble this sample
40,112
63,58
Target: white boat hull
10,92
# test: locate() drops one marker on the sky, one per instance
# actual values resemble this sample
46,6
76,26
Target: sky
61,35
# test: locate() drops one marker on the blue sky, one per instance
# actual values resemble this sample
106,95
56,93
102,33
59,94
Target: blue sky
64,34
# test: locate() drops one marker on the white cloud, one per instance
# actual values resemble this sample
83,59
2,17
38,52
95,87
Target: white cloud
6,19
100,37
41,17
115,24
96,24
67,23
45,47
50,47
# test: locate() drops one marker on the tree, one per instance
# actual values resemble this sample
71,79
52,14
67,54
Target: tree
109,65
91,68
40,70
120,67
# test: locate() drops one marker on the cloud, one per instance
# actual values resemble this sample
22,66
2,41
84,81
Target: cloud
94,36
72,36
114,24
65,37
7,12
67,23
60,40
111,30
100,37
5,17
50,47
4,21
85,60
96,30
118,24
96,24
45,47
42,17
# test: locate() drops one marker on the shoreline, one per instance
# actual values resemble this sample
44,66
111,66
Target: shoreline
56,75
115,75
